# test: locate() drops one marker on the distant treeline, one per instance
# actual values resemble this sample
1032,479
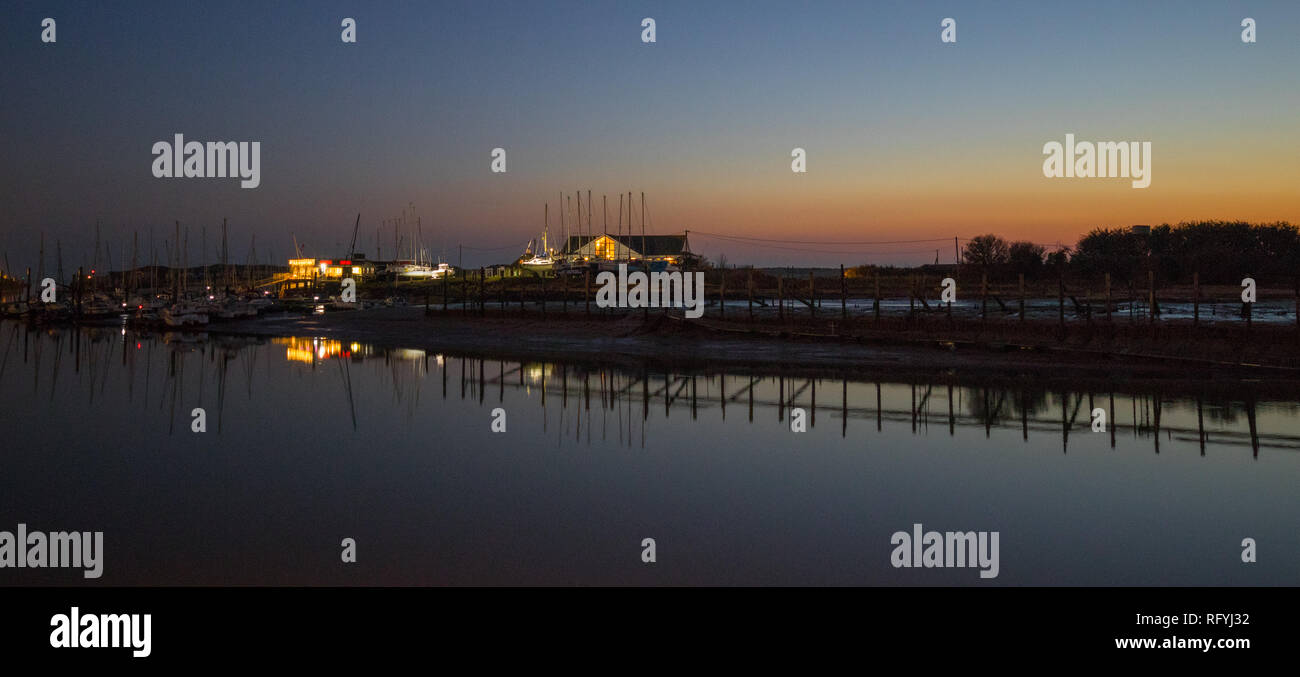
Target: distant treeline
1222,252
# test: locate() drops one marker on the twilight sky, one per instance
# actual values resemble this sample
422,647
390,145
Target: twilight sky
907,138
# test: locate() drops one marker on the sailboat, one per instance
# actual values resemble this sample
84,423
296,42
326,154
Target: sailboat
541,259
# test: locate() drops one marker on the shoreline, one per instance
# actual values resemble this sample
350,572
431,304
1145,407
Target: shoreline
661,342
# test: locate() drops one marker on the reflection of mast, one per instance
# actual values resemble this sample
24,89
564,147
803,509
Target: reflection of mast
346,372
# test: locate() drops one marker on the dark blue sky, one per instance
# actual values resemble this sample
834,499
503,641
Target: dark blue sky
905,136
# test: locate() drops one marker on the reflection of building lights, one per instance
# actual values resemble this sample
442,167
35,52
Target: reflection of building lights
309,351
439,359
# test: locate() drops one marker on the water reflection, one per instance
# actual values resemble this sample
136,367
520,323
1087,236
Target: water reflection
1222,414
311,437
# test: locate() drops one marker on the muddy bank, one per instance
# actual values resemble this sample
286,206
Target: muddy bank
663,343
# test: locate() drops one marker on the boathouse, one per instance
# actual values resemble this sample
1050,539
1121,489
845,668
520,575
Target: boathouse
672,249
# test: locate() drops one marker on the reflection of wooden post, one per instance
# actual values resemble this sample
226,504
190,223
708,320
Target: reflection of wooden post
879,414
1196,300
844,409
952,420
1155,409
1200,424
1114,419
1250,417
1022,297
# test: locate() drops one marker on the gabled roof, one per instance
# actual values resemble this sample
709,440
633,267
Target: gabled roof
645,245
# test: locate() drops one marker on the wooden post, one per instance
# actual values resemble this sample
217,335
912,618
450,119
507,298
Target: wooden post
749,289
444,291
1196,299
984,296
1250,310
586,292
911,295
844,295
1151,284
482,299
812,295
1060,298
722,296
564,294
523,287
1108,315
542,284
780,296
1022,297
876,302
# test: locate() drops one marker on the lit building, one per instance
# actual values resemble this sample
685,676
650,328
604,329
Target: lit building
357,268
670,249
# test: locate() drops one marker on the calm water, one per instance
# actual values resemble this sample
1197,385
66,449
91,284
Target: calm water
312,441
